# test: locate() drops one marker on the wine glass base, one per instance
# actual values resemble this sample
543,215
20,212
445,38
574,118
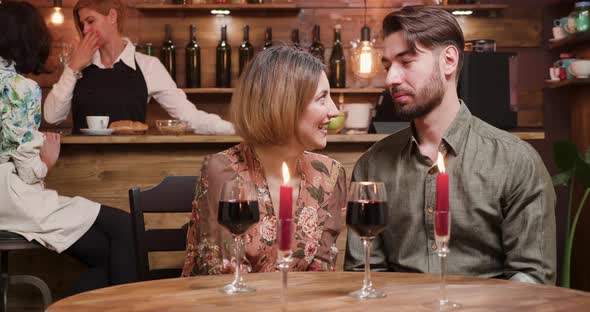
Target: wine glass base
367,294
446,305
234,289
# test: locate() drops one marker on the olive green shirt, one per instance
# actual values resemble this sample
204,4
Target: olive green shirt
501,200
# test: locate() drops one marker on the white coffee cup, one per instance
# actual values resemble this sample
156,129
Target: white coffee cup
97,122
359,116
554,73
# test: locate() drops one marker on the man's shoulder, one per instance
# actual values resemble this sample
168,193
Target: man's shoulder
389,145
515,147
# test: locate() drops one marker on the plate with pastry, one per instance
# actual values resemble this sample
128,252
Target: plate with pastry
128,127
97,131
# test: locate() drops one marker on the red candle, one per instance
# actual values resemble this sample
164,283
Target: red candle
285,212
442,198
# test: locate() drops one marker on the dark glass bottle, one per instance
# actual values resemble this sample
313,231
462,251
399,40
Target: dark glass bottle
317,48
223,61
295,38
149,50
168,53
337,62
267,38
193,60
246,49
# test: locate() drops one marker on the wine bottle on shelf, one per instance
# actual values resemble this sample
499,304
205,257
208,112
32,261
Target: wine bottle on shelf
246,49
193,60
337,62
223,61
317,48
149,49
168,53
267,38
295,38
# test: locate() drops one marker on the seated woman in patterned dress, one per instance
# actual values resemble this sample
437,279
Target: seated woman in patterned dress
281,108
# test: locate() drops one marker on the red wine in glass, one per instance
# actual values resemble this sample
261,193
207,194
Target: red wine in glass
366,217
238,215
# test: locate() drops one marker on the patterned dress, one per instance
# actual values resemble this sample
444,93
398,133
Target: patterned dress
26,207
317,218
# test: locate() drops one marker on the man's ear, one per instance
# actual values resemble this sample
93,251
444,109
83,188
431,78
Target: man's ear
449,58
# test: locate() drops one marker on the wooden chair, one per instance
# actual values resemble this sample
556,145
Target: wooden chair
8,242
173,195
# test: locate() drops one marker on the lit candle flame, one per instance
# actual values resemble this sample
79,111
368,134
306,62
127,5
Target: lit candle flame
285,173
440,163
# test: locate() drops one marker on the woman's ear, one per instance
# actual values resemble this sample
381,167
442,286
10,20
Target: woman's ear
113,16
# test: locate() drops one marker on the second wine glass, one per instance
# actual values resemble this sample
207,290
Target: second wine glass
238,210
366,215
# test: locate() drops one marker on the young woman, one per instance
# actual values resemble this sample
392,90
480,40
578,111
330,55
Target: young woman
107,77
281,107
98,235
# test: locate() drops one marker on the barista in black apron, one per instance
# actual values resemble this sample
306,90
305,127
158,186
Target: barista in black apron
119,92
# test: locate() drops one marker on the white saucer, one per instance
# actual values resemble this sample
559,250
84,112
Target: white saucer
97,131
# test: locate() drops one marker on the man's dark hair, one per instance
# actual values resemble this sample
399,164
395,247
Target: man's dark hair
25,39
429,27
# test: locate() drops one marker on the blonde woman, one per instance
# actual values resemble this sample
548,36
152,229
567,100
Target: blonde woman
107,77
281,108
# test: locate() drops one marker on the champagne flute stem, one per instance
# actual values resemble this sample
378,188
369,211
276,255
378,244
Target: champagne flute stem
284,270
367,284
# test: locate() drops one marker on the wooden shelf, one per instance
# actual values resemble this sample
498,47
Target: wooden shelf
275,7
568,82
472,7
194,138
570,41
333,91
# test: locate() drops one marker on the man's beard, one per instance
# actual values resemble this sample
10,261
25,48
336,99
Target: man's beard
425,99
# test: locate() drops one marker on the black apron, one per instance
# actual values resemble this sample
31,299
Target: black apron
119,92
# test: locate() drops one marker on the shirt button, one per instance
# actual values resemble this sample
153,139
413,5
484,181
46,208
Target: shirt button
434,246
431,171
429,210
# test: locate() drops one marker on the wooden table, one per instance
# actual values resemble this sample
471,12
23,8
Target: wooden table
311,291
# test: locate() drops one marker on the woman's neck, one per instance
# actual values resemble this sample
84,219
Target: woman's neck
272,157
112,50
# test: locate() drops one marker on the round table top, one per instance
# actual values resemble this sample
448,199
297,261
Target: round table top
326,291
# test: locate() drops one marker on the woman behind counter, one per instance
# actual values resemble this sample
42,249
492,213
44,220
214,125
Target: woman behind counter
281,107
107,77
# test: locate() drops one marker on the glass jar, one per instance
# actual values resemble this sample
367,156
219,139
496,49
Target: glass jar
484,45
581,16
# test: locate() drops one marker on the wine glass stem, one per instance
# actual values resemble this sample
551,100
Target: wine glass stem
237,277
367,284
443,277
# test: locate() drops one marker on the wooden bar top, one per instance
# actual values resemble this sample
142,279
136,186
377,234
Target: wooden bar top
326,291
193,138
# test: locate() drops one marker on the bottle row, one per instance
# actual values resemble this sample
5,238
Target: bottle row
223,74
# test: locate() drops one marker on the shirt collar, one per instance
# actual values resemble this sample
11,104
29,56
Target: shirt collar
453,137
127,56
7,65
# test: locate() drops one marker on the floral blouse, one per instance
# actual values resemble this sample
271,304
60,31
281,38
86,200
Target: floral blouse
20,118
317,217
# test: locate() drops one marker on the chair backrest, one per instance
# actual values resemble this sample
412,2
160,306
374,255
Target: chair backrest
173,195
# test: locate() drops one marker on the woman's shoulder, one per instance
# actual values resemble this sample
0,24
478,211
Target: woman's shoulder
18,88
145,61
315,158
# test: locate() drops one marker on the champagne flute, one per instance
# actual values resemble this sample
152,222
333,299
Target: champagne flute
442,235
366,215
238,210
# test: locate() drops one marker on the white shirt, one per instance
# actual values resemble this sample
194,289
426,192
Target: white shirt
159,85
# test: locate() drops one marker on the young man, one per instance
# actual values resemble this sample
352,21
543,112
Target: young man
501,197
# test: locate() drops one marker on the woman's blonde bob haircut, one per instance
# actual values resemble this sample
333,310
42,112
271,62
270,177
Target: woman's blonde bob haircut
272,93
103,7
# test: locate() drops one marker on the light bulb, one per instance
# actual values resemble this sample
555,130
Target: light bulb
366,58
57,18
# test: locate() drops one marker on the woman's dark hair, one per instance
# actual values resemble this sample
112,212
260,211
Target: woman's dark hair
25,39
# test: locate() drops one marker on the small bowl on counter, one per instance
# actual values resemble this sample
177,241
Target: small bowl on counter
172,127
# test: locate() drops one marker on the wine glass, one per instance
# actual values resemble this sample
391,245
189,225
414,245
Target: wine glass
366,215
238,210
442,235
65,52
